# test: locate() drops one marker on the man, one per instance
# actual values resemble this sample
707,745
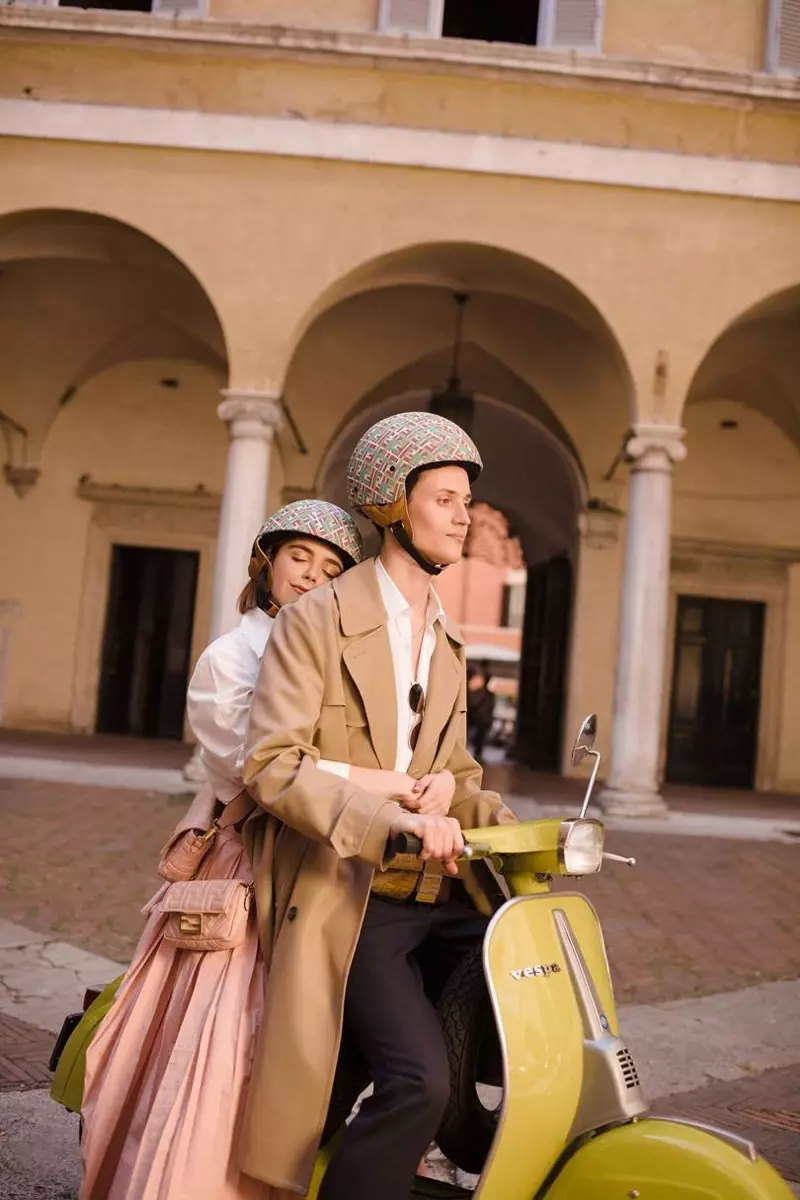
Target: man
366,672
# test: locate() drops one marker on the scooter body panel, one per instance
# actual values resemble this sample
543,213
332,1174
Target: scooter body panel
659,1159
67,1085
542,1030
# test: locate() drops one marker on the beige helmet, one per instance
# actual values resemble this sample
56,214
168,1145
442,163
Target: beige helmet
385,457
309,518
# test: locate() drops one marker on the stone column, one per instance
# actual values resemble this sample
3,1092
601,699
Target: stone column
633,785
252,419
592,656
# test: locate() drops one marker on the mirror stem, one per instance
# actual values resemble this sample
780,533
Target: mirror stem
590,786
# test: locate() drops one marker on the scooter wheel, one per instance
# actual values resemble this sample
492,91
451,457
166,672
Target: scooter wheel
473,1051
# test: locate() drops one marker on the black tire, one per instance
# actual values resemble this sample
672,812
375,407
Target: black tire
473,1051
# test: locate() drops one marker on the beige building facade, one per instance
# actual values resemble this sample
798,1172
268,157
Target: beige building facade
230,237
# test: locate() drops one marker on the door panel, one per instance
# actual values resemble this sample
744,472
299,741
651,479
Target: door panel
147,642
714,709
540,711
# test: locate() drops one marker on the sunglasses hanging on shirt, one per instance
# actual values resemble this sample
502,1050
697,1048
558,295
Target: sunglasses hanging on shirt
416,702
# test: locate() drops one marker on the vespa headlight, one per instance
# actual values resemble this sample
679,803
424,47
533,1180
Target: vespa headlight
580,846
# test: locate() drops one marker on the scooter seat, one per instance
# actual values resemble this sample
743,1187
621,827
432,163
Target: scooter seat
434,1189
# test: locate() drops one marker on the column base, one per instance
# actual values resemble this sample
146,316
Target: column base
194,771
617,803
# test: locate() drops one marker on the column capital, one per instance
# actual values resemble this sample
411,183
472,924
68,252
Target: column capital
251,414
655,447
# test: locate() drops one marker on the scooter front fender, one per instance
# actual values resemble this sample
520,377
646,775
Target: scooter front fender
663,1159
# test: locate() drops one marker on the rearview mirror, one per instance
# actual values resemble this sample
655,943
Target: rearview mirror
584,742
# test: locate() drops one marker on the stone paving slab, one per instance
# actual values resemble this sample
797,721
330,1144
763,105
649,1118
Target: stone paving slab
682,1045
89,774
43,980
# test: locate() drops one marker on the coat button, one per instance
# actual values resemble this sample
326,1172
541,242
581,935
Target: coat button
291,914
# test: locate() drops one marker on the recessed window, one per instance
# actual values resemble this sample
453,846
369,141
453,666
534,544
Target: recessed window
117,5
500,21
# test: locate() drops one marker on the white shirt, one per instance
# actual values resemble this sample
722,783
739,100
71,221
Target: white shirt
398,611
219,698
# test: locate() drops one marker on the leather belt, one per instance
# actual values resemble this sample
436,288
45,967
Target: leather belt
412,884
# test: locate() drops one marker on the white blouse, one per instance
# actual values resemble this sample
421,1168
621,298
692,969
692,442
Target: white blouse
219,698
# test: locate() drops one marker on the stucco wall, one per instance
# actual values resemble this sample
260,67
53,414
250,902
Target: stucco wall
726,35
123,429
342,15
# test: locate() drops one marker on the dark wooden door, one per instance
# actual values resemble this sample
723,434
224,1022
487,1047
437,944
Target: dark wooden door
716,686
147,642
540,709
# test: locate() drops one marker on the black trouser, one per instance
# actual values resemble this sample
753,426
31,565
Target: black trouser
403,956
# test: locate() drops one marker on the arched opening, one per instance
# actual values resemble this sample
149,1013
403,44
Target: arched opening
551,396
112,364
738,494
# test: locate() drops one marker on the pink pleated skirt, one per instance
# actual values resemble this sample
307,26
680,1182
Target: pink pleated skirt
167,1072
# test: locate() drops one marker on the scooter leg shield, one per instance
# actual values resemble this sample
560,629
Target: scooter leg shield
530,951
660,1159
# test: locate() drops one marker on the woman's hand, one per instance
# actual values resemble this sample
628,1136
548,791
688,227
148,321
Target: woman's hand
432,795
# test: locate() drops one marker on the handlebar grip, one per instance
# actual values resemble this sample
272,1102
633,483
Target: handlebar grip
403,843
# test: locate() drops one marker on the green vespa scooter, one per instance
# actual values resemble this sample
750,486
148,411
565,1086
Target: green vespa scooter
534,1013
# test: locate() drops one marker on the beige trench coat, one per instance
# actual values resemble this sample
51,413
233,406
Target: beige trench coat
326,690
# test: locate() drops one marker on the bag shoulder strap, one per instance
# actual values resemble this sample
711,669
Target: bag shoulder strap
235,810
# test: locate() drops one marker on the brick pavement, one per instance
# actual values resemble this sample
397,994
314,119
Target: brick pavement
79,862
24,1054
695,915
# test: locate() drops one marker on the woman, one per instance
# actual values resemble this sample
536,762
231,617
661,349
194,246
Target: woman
166,1072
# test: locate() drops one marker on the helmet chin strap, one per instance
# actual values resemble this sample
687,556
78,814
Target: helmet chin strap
402,538
264,583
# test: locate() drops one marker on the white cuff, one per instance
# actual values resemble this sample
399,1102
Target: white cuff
334,768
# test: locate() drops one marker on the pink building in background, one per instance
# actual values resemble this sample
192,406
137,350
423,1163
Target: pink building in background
485,595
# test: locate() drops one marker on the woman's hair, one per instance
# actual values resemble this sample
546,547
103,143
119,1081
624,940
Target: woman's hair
251,596
254,594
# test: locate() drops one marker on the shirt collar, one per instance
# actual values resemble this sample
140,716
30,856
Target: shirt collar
256,627
395,602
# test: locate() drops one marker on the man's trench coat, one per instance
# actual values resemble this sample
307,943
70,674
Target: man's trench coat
326,690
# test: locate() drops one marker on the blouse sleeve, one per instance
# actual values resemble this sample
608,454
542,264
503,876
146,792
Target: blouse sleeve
218,706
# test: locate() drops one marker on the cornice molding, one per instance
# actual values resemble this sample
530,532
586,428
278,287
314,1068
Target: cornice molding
399,146
443,54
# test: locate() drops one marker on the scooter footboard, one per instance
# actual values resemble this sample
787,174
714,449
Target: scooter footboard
660,1159
548,978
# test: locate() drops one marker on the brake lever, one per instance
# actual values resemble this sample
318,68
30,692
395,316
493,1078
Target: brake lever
629,862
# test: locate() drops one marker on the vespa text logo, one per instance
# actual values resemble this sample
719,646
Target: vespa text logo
539,971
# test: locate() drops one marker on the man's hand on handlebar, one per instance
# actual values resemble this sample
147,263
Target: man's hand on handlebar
440,836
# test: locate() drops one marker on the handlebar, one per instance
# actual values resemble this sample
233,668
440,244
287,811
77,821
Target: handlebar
403,843
409,843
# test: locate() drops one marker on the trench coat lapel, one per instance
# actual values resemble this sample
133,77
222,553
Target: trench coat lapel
444,683
368,656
